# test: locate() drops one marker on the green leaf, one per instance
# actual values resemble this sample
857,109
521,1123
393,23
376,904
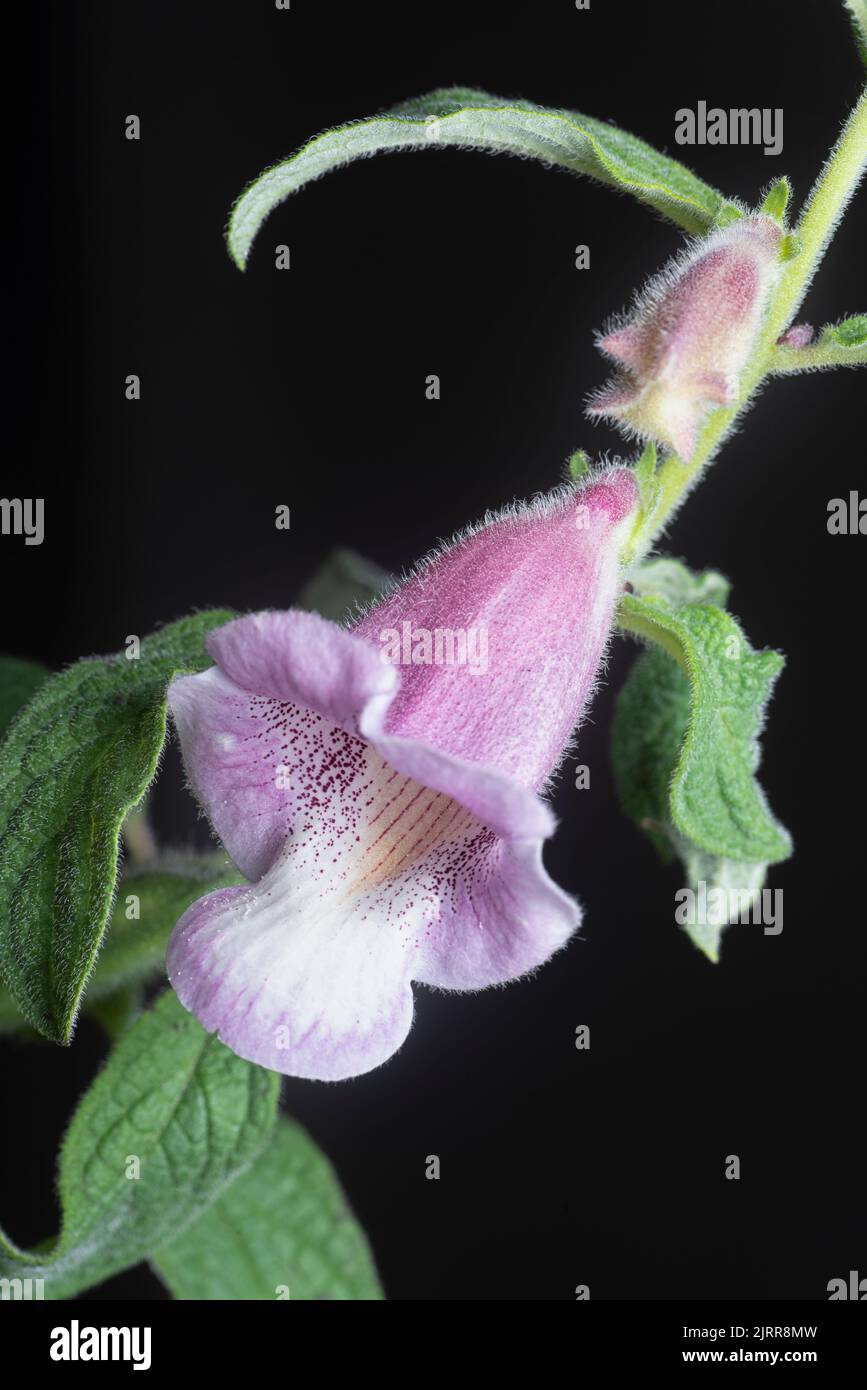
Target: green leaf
684,743
135,946
714,799
651,723
850,332
650,495
578,466
669,579
727,213
19,682
342,585
645,473
79,757
777,200
858,15
283,1230
739,883
194,1116
465,117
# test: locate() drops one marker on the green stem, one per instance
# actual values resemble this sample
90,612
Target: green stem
830,194
786,361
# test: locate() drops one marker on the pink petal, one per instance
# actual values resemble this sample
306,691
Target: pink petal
614,400
714,387
626,345
502,922
545,638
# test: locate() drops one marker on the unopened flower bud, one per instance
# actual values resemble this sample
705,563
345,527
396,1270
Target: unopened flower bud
683,348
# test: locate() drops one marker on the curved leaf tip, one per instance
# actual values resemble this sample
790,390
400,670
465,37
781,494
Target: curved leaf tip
464,117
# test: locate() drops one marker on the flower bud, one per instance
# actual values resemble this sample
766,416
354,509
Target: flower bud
683,348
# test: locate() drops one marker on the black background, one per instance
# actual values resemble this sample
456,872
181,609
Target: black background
307,388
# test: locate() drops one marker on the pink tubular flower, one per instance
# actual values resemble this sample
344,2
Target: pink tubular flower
389,818
683,348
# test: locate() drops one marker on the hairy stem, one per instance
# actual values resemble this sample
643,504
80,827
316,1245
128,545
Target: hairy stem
786,361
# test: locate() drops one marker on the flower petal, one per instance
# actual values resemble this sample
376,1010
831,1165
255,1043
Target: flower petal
251,766
303,658
381,859
537,586
284,985
308,971
255,766
505,919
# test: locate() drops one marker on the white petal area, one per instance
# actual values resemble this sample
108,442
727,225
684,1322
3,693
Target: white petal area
291,984
382,879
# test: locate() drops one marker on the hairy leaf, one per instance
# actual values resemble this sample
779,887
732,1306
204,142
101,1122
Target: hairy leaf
777,200
850,332
650,722
737,885
19,682
669,579
78,758
471,119
684,739
282,1231
134,947
172,1119
714,797
858,14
